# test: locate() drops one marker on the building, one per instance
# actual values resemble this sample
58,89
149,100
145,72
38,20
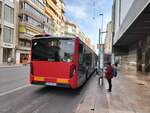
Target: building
80,34
7,29
131,26
108,39
20,20
56,10
32,20
35,17
70,29
88,42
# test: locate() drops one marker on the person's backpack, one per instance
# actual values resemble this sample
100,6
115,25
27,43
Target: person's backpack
114,72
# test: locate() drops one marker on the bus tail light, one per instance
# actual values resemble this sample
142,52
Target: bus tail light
72,71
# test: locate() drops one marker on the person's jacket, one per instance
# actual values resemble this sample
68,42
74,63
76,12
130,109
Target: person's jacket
108,72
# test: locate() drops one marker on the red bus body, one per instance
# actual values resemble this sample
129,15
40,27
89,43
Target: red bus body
60,74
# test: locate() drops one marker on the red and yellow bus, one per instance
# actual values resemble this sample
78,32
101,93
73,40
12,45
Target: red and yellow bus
61,61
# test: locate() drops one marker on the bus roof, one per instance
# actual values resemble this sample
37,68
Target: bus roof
49,36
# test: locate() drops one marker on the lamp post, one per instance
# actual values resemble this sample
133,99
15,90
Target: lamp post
101,27
101,53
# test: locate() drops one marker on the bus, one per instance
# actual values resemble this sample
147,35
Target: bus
61,61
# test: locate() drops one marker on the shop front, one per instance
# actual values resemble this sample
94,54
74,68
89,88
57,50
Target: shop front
22,57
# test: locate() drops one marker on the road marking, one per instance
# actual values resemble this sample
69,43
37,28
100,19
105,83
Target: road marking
13,90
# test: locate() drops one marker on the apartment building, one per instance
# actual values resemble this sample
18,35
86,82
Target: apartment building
56,10
131,28
31,21
7,29
69,29
35,17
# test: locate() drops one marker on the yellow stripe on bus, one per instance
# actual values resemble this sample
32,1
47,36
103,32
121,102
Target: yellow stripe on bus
63,81
38,78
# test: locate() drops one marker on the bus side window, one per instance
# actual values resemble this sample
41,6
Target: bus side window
80,53
88,59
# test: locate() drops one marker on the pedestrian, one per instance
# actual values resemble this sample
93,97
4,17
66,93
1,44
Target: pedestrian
108,75
114,73
9,60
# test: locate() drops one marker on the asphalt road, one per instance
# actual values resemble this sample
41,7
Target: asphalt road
18,96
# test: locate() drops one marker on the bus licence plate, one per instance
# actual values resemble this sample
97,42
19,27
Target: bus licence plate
51,84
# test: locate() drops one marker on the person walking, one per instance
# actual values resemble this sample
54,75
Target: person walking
109,75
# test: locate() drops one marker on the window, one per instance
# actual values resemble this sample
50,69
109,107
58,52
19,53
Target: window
8,35
88,59
53,49
9,14
80,53
24,43
30,9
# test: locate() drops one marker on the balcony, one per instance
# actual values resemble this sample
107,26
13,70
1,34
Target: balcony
52,5
50,13
24,48
31,15
25,36
30,26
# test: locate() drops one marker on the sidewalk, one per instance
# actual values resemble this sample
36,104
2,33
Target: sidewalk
130,94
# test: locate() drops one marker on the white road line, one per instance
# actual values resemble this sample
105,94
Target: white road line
13,90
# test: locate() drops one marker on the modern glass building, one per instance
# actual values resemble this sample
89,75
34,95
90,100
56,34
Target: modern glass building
131,26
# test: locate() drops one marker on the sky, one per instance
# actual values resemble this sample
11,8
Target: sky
85,14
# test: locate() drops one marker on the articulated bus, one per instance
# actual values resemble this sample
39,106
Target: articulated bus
61,61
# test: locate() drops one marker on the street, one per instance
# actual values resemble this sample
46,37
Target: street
130,94
18,96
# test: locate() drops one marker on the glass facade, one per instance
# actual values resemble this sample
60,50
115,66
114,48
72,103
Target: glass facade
9,14
8,34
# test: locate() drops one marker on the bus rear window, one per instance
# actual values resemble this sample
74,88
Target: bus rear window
53,49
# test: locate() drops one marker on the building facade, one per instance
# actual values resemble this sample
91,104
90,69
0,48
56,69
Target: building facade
36,17
70,29
7,29
131,36
56,9
20,20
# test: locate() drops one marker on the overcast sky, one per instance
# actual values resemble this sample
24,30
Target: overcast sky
85,14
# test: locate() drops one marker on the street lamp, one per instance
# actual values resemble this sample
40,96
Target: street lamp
101,53
101,28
